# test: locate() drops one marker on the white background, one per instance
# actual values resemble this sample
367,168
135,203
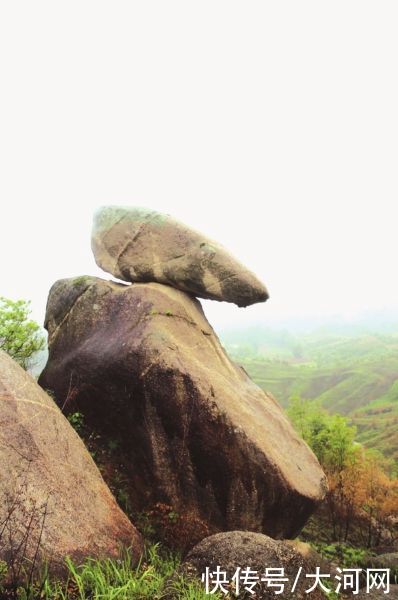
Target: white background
270,126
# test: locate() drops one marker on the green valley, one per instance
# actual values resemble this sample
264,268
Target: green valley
353,372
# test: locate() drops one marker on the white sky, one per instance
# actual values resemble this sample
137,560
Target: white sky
270,126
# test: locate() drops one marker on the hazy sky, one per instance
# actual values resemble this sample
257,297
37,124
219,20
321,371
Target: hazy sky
270,126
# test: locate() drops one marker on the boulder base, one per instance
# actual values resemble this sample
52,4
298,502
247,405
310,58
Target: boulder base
186,426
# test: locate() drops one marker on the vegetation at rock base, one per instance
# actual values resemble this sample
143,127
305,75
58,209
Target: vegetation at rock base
342,554
20,337
155,577
362,503
76,419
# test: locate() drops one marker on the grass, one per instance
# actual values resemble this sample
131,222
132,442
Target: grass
345,555
155,577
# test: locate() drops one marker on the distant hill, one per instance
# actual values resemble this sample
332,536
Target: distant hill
353,372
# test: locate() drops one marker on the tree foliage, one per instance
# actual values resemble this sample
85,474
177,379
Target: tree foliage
329,436
20,337
363,494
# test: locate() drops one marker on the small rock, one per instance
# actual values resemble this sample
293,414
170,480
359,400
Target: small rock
242,549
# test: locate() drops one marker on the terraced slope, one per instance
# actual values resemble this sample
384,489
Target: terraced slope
355,375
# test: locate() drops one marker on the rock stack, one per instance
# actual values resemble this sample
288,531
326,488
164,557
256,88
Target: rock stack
146,369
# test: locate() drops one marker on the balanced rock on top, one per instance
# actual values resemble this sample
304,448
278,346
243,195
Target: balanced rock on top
141,245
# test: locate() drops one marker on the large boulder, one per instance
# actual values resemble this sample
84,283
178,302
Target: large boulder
136,244
188,427
272,566
53,500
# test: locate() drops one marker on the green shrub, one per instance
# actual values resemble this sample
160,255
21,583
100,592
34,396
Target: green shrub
343,554
76,419
20,337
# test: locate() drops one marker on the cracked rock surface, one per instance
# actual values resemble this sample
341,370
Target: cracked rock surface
53,500
141,245
143,365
